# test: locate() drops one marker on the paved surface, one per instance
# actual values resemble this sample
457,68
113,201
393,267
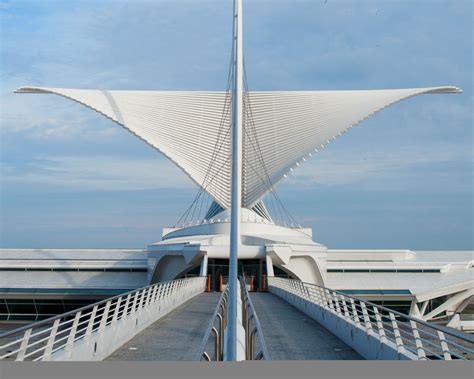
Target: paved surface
175,337
291,335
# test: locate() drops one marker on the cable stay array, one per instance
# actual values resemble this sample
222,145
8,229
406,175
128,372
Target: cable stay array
203,208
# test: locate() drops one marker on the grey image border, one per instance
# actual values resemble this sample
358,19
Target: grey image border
247,369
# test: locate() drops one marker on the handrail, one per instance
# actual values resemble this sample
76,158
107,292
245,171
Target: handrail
455,333
423,340
74,311
219,314
252,328
95,322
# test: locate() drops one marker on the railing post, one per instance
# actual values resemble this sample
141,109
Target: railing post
344,306
142,299
162,291
444,346
174,292
295,287
396,332
306,291
246,323
222,324
368,323
103,320
153,295
159,291
182,289
329,299
221,335
324,300
314,294
90,324
252,342
302,290
72,335
116,312
177,295
24,345
217,343
309,292
336,300
134,303
354,311
125,307
147,298
291,286
52,336
167,290
419,345
381,330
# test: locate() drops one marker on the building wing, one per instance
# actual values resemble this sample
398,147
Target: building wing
292,126
281,129
191,128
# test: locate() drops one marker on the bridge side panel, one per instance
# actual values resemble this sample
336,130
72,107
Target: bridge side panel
367,345
103,342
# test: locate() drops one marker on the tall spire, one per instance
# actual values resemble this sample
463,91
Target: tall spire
236,181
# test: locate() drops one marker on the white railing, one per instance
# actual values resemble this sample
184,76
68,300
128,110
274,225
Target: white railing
95,331
216,328
374,331
255,347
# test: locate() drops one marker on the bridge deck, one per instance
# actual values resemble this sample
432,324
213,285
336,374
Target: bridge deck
291,335
175,337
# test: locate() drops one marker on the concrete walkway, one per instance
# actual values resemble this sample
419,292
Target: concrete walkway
291,335
175,337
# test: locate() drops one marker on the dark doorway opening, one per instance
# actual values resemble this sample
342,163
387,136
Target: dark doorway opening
254,271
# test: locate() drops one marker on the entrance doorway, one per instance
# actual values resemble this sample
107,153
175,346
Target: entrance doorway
253,270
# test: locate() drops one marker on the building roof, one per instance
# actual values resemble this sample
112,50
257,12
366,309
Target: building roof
281,129
424,274
48,271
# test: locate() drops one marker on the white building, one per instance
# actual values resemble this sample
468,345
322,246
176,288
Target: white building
280,131
432,285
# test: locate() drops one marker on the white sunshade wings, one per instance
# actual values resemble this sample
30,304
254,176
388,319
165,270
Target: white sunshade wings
290,126
186,126
284,128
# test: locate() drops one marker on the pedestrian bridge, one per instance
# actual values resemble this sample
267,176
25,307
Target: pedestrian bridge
179,321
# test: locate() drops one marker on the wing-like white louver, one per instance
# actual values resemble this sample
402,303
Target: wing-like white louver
184,126
289,126
292,125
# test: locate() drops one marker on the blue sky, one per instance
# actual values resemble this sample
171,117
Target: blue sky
402,179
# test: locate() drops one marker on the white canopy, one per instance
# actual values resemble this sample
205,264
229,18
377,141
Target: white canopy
281,129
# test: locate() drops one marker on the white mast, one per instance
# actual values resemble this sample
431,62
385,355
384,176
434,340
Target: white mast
236,185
